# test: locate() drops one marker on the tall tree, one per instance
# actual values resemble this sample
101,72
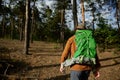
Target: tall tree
19,12
33,21
62,23
117,13
3,14
3,23
75,19
21,19
83,11
93,14
62,6
95,9
11,20
27,26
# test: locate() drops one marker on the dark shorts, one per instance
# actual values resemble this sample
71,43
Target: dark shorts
79,75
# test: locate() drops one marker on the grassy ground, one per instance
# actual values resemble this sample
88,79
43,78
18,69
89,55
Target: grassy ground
43,63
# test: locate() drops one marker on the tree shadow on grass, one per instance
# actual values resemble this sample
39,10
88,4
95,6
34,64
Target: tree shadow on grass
61,77
110,65
45,50
116,62
15,66
43,66
110,58
12,67
48,54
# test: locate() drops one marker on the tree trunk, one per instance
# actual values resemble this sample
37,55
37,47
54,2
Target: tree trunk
33,23
62,26
93,20
75,14
12,27
11,23
32,26
27,22
21,24
83,11
117,15
3,27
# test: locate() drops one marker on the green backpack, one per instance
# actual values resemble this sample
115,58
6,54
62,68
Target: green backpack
85,47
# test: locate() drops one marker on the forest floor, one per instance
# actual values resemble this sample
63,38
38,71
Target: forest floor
42,63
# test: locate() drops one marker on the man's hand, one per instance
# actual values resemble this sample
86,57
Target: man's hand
62,69
96,74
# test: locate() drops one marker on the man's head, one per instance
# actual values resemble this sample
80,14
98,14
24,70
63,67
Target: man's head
80,26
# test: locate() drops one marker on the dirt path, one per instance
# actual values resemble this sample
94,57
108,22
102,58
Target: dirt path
43,63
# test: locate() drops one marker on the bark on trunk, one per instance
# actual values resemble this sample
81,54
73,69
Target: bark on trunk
75,14
83,11
27,22
33,23
62,26
117,15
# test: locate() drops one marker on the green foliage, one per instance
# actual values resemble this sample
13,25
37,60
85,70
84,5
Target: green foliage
106,35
